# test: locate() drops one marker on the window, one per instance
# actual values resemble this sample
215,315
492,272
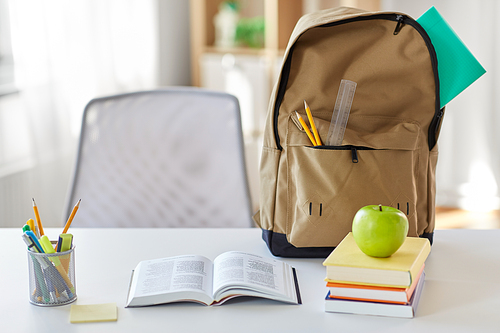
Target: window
6,58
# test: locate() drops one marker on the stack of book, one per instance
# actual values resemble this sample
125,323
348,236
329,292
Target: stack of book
360,284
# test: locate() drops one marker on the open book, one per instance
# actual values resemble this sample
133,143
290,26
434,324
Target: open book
198,279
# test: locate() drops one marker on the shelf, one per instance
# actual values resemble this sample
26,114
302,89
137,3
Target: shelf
280,18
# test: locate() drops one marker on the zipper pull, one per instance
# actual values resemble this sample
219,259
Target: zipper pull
400,24
434,128
354,153
438,122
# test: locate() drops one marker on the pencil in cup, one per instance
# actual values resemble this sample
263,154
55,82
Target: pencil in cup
71,216
38,220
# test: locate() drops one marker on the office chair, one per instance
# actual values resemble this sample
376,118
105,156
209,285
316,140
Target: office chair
163,158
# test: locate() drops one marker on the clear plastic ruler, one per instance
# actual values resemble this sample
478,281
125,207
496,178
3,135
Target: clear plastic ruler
341,113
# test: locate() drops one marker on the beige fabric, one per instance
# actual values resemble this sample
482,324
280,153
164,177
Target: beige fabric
393,107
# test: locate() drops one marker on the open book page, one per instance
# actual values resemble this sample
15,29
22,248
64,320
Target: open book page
238,273
182,278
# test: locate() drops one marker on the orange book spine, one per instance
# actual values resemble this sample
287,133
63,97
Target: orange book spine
408,291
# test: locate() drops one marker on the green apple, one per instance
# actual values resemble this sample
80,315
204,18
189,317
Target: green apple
379,231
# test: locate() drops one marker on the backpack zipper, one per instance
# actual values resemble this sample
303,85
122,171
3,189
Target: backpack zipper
400,24
354,154
434,128
401,21
432,133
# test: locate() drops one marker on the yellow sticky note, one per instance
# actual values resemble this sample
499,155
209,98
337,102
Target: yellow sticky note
93,313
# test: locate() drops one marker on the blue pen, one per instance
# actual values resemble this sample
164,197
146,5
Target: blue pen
39,276
35,241
41,292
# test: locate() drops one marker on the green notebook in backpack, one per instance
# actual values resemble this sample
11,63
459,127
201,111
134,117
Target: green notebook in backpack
310,194
457,66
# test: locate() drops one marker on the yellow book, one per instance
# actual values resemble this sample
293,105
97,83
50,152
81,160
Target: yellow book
348,264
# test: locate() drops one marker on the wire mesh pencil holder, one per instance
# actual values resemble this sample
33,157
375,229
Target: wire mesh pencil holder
52,278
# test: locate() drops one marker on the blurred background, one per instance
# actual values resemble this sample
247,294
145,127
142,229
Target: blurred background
56,55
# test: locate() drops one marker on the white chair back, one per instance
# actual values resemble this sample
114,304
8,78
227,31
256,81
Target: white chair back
163,158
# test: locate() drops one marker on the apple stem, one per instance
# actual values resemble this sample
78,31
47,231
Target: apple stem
380,207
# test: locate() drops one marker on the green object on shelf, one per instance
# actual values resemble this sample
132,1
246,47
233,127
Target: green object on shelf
457,66
250,32
234,5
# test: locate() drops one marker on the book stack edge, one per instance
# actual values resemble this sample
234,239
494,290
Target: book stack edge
360,284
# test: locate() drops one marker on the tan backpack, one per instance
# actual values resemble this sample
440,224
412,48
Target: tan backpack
309,195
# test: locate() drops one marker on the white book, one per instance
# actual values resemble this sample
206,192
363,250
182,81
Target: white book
196,278
377,308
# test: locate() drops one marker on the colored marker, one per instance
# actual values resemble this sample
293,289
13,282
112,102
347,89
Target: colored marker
49,280
65,242
31,223
47,247
40,282
58,274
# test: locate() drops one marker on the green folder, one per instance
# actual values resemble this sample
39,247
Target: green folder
457,66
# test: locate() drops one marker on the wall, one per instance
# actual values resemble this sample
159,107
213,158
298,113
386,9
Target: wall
174,47
66,53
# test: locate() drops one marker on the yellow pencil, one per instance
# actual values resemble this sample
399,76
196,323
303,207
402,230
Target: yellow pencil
313,125
308,132
37,217
71,216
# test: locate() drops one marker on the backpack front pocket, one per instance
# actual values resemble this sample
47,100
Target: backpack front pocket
328,185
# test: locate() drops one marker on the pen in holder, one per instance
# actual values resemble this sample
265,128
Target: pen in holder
52,278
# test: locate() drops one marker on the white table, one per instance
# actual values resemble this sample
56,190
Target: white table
461,292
